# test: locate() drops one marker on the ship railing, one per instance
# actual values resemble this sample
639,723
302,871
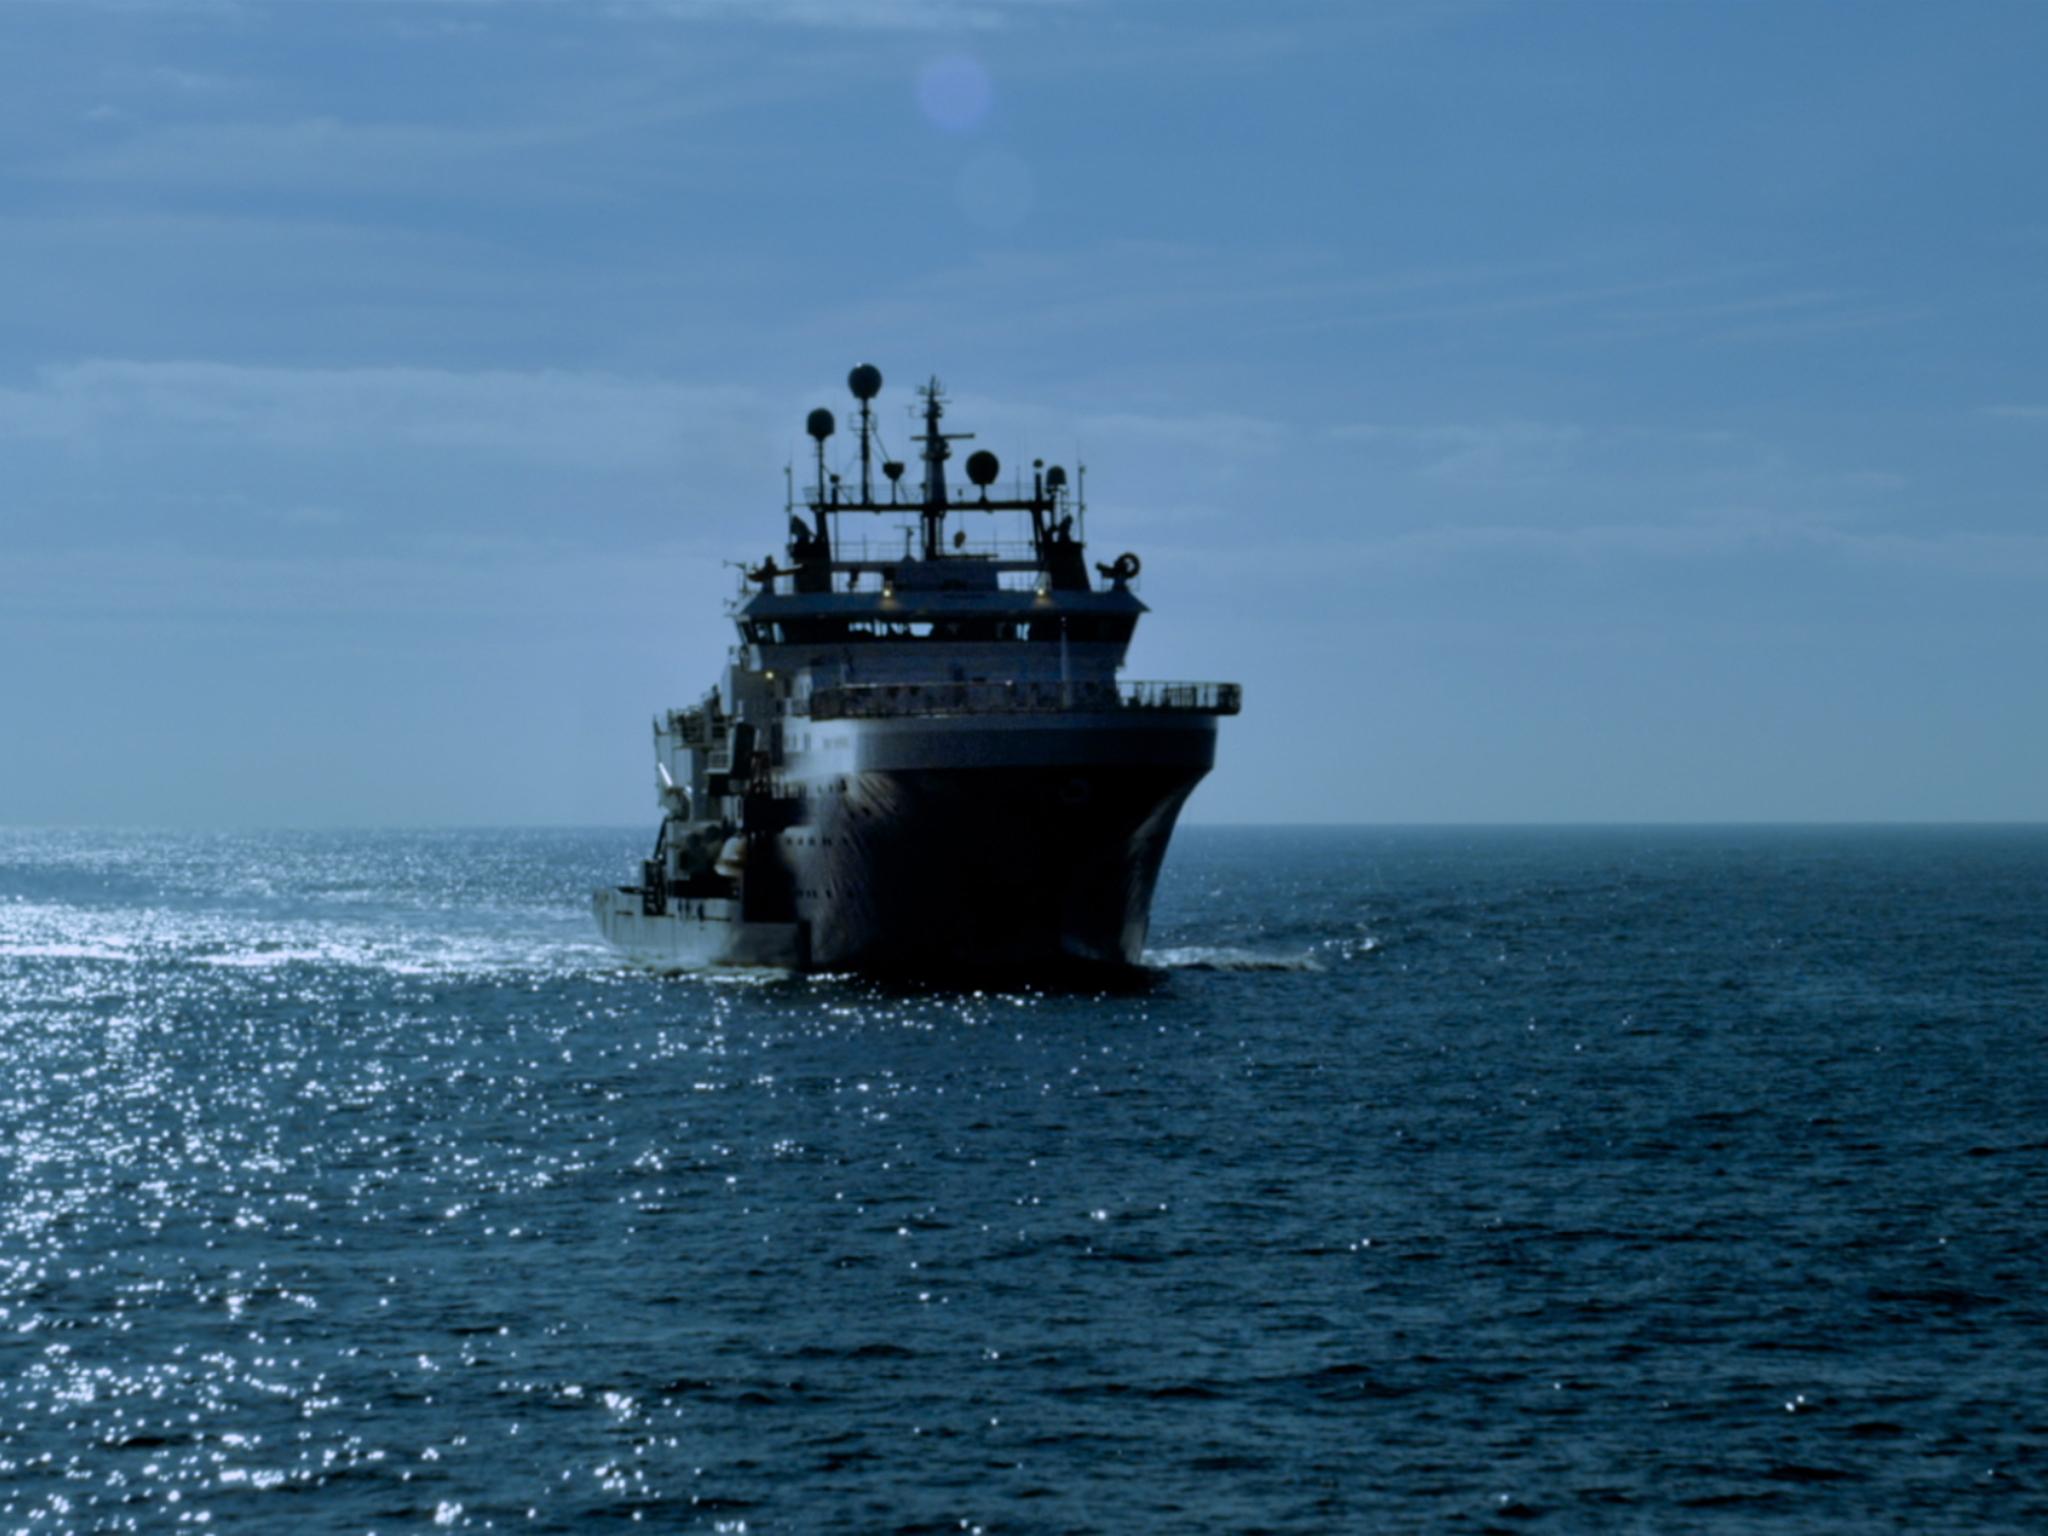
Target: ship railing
882,700
866,565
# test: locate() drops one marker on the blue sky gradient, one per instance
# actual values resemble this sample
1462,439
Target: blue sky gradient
1548,411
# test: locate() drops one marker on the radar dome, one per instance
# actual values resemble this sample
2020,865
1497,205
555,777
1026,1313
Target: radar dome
865,381
820,424
983,467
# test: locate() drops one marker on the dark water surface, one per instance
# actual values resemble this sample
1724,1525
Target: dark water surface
1535,1180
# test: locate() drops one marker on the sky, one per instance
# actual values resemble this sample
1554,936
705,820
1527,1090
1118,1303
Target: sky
1548,411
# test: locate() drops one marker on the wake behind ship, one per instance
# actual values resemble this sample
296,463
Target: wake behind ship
921,760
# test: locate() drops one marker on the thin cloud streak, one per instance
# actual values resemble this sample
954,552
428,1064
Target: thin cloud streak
554,416
1518,451
2009,557
834,15
487,585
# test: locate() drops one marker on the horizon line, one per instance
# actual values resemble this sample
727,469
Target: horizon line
1729,824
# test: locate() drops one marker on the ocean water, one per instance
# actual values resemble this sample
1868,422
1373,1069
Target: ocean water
1630,1180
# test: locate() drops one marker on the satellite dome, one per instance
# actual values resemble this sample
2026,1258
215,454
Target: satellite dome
983,467
1055,477
820,424
865,381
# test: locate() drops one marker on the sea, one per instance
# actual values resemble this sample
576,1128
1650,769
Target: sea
1495,1179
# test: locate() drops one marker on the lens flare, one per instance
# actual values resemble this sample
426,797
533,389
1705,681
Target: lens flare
954,93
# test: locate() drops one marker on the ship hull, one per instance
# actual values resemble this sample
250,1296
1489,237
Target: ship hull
946,848
985,870
695,935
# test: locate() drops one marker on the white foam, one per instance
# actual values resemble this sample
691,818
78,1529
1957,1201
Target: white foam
67,952
1206,957
37,931
265,959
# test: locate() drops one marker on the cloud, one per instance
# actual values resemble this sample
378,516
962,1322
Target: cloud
1753,316
876,15
323,153
1113,287
1222,432
586,133
553,416
1477,454
916,15
476,579
920,15
1727,534
183,82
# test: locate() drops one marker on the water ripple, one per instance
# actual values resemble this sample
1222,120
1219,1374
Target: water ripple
1604,1180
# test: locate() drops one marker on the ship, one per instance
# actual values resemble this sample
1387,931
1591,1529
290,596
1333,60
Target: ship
920,758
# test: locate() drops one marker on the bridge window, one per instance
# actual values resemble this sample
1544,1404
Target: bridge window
1081,629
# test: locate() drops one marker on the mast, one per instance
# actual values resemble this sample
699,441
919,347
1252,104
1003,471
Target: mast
935,455
866,382
812,545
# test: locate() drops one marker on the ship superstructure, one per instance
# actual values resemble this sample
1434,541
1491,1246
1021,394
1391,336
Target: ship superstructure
920,757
